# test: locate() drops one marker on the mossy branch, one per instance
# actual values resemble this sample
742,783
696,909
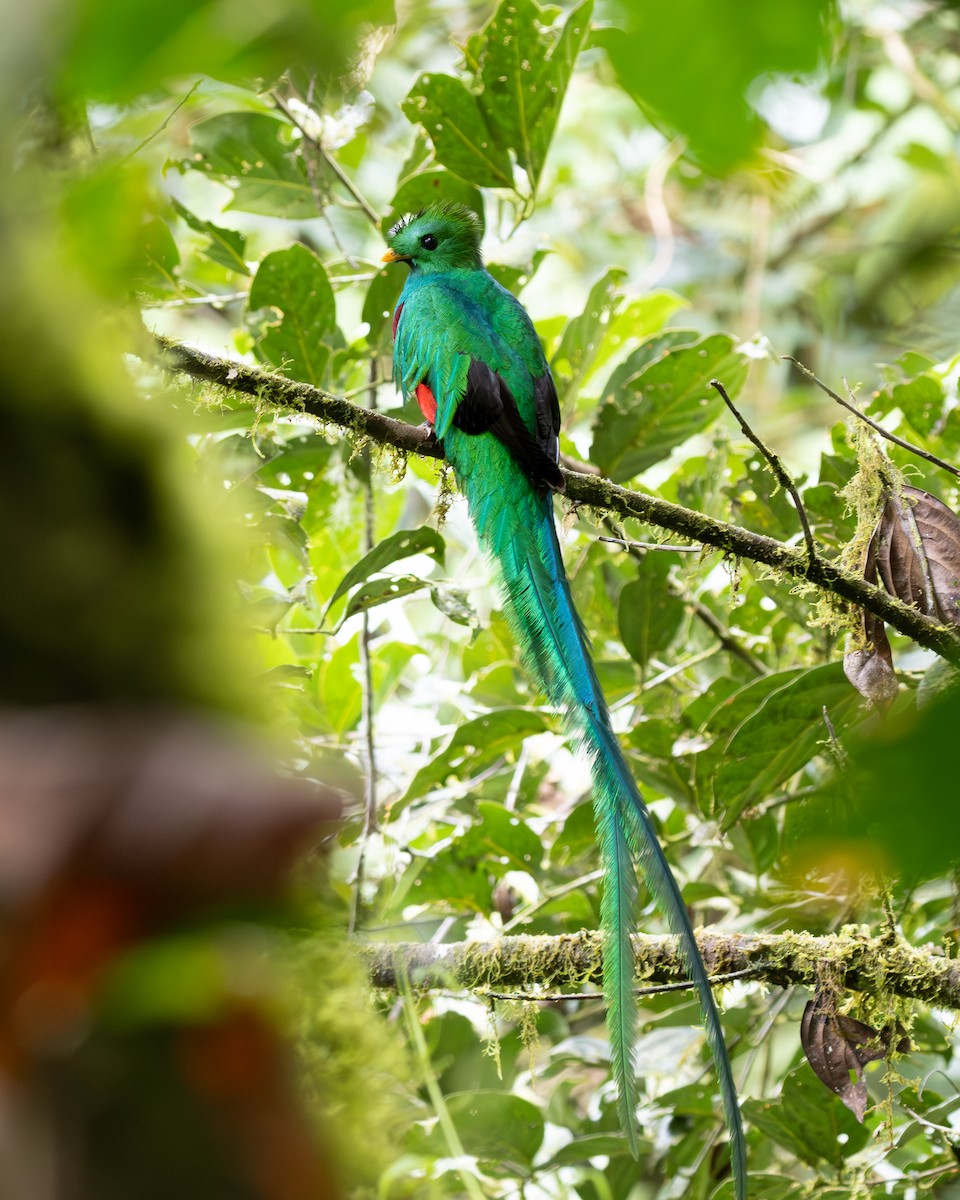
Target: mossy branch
582,489
528,965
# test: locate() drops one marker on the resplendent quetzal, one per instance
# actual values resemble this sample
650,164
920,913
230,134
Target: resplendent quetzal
467,350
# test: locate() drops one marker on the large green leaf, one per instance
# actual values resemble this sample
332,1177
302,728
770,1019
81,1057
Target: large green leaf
496,1127
114,50
294,281
403,544
524,71
474,746
584,334
225,246
651,407
451,115
784,732
246,152
689,64
808,1121
518,67
648,614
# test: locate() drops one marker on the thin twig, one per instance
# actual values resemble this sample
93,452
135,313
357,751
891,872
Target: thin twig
161,127
780,472
629,545
366,207
366,681
683,985
884,433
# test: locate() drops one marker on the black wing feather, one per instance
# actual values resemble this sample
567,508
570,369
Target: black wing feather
488,406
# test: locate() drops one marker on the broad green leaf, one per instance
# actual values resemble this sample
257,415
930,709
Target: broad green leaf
648,614
496,1127
738,704
524,72
781,736
663,68
381,591
650,409
500,839
161,260
921,401
246,152
451,115
474,746
113,50
380,304
400,545
294,281
808,1121
583,336
226,246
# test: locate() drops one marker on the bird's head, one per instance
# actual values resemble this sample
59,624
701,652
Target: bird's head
443,237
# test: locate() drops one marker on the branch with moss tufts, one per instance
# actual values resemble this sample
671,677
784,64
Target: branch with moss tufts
588,490
535,968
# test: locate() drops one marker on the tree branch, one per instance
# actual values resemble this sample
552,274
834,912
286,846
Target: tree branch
589,490
861,963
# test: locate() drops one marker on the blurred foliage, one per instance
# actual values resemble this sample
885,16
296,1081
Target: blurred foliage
677,193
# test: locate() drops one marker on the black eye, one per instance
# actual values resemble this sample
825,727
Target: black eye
428,242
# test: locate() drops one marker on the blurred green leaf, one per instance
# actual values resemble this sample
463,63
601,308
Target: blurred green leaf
500,1129
669,73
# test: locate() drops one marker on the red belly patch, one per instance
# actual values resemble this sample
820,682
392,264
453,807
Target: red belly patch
428,405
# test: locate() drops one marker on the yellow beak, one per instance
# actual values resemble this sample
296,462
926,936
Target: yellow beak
393,256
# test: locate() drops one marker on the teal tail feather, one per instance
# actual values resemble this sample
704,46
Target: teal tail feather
516,527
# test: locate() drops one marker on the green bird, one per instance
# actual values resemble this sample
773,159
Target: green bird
466,349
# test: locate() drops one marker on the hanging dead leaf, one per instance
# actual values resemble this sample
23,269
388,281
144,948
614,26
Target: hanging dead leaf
838,1048
869,667
918,553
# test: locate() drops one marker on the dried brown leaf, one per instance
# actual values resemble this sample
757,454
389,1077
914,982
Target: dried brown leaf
918,553
838,1047
869,667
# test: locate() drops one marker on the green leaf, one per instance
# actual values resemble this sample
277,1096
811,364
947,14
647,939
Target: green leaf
246,152
496,1127
583,335
650,407
921,401
784,732
500,837
294,281
524,71
226,246
663,67
809,1122
400,545
452,117
381,591
649,616
474,746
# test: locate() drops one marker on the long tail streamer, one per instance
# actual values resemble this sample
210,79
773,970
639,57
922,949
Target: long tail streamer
519,534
